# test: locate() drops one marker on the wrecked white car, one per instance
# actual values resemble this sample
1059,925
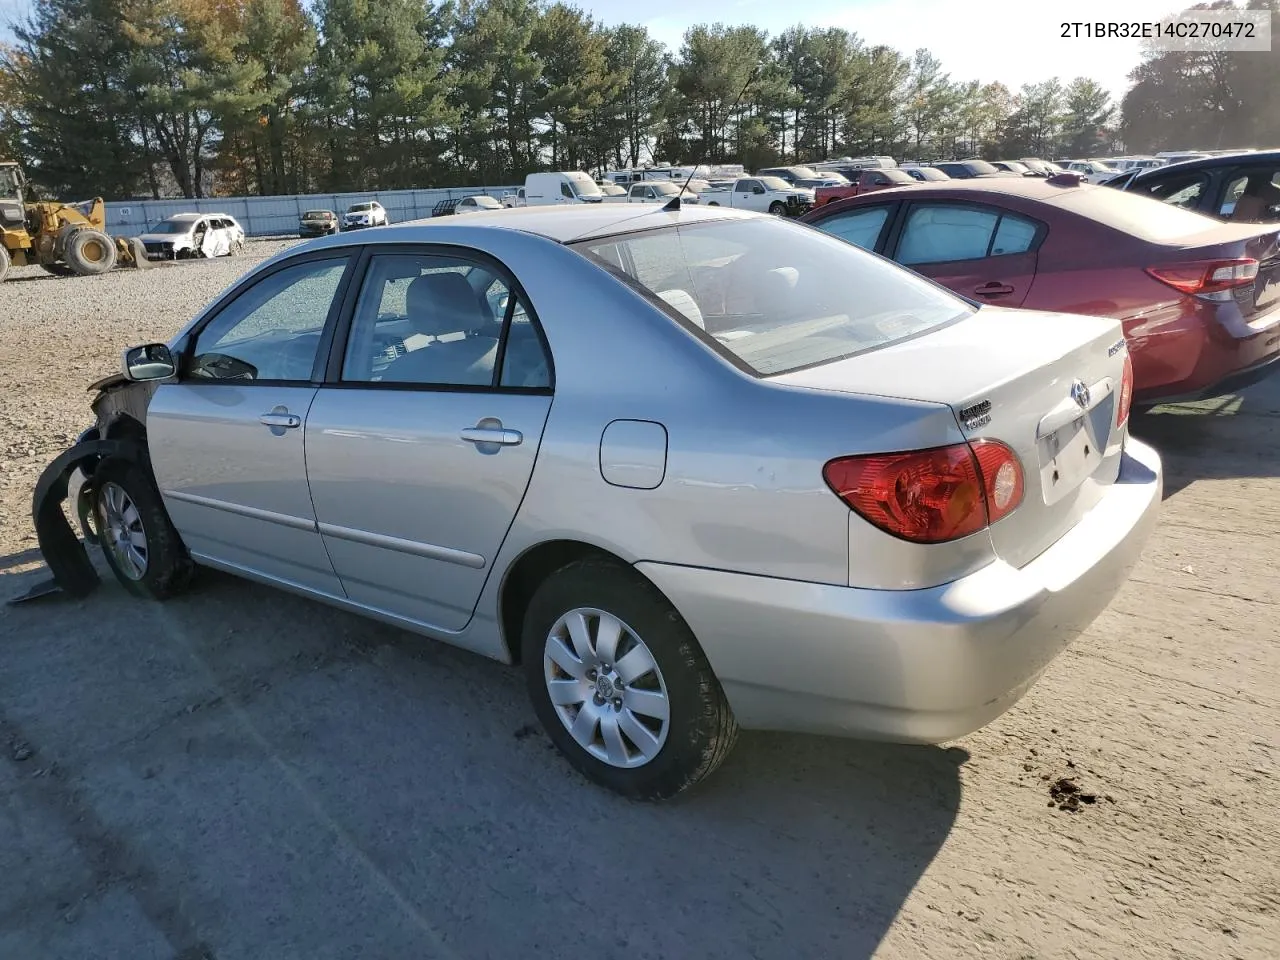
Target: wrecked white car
189,235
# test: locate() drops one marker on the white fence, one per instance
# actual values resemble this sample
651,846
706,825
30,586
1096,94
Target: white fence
278,216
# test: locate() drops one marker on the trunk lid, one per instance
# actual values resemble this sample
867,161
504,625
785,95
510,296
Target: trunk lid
1044,384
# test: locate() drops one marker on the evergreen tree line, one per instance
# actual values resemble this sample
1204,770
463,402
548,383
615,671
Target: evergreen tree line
128,98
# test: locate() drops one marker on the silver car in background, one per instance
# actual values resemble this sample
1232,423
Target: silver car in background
690,469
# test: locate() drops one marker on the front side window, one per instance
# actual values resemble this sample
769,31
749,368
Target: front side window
1252,196
272,330
565,190
766,292
438,321
861,227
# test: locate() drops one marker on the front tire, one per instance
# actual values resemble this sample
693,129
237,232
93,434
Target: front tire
90,252
139,542
777,208
620,684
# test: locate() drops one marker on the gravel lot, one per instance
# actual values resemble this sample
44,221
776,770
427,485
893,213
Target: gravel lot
243,774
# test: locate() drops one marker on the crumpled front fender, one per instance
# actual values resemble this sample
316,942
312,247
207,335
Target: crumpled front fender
65,555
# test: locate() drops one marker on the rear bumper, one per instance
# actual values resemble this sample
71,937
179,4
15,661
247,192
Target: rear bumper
917,666
1231,383
1196,356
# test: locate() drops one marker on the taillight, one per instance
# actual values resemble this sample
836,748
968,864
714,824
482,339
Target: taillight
931,496
1203,277
1126,392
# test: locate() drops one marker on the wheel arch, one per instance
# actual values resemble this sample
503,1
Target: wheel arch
528,571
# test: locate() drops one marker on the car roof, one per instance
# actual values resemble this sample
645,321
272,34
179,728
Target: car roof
191,216
1028,188
1261,157
562,224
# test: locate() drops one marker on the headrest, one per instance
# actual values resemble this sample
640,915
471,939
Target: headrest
443,303
685,304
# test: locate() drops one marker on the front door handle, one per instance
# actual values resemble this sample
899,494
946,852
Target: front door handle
993,289
286,420
497,435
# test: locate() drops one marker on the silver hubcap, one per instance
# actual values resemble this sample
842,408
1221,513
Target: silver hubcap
122,530
606,688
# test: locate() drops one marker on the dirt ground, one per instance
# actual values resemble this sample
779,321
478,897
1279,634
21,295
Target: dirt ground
243,774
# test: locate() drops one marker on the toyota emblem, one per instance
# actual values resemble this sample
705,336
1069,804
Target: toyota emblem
1080,394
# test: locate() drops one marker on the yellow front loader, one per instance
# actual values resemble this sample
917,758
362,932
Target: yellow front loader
63,238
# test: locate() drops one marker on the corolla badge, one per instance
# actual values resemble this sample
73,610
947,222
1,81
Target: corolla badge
1080,394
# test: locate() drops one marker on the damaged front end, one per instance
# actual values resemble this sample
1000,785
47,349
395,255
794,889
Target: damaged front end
120,409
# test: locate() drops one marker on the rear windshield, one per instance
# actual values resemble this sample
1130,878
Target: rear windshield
1143,217
980,166
774,295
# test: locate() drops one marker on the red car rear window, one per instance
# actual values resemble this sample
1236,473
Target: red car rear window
1142,217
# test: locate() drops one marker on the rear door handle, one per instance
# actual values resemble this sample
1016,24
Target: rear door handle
498,435
993,289
287,420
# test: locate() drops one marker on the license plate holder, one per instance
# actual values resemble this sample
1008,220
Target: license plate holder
1068,456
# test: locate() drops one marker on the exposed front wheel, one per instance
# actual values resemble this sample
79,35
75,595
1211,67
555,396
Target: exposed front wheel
620,684
138,541
90,252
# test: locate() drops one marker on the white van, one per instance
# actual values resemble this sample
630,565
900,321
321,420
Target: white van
572,186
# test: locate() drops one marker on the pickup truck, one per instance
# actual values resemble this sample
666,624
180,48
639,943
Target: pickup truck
763,195
868,182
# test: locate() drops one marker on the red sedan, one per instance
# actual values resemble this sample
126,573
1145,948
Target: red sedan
1199,300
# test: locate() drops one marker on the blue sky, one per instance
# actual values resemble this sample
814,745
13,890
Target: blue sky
1019,43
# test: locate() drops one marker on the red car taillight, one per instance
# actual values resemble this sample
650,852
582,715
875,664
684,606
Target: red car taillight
1207,276
1125,399
930,496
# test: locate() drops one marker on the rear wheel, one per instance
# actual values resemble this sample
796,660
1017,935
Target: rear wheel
620,684
4,264
90,252
137,538
713,203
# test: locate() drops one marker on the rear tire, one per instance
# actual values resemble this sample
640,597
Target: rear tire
713,203
4,264
90,252
619,657
139,542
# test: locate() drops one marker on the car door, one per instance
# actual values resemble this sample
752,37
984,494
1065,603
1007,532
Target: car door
748,195
979,251
422,441
225,439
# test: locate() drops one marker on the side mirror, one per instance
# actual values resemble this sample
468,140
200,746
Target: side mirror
152,361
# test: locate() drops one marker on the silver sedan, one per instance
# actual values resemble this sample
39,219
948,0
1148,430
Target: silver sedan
689,469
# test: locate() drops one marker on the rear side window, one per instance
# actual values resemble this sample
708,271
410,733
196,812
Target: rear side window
1130,212
1184,191
776,296
938,234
